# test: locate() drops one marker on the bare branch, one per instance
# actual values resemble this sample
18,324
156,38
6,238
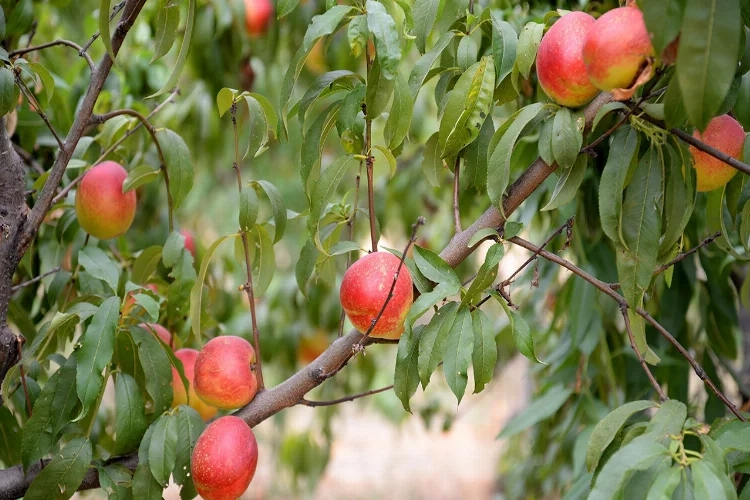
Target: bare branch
38,108
28,159
20,52
17,287
306,402
115,10
639,354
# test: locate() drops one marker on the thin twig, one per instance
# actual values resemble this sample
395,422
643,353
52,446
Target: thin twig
20,52
28,159
64,191
248,286
350,224
313,404
598,140
606,289
115,10
17,287
680,257
456,210
38,108
639,354
412,239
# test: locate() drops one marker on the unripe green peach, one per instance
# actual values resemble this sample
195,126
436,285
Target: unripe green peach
365,288
725,134
617,48
224,459
103,210
559,61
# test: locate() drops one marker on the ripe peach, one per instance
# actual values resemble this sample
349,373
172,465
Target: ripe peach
189,241
224,375
617,48
725,134
257,16
559,61
312,346
103,210
188,357
224,459
365,288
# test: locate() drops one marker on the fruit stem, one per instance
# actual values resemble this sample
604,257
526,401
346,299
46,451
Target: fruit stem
370,162
248,287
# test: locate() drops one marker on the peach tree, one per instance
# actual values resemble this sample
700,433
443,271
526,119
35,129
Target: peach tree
603,144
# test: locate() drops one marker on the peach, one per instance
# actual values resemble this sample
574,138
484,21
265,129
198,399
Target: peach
224,459
188,357
617,48
365,288
257,16
103,210
224,375
189,241
725,134
559,61
312,346
130,300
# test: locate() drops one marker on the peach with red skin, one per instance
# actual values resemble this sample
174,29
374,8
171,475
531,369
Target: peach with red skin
616,49
103,210
725,134
224,375
224,459
188,357
365,288
258,15
189,241
559,61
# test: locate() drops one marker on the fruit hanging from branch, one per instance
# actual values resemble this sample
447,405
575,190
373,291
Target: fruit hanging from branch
103,210
224,376
725,134
188,357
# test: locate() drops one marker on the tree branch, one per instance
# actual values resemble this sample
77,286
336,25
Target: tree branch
20,52
313,404
639,354
38,108
17,287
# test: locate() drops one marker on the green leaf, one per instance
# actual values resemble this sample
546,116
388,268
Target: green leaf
528,43
468,50
607,109
521,334
607,428
167,23
540,409
425,301
707,59
162,448
269,112
139,176
667,421
145,264
468,106
664,484
343,247
324,190
641,221
639,454
95,262
504,42
705,481
104,33
183,54
406,377
258,127
249,207
312,146
399,118
172,249
305,265
545,142
486,274
432,164
566,138
663,20
95,353
680,196
358,34
7,92
284,7
433,267
622,154
145,487
178,293
389,158
498,169
3,25
422,67
63,474
476,157
387,43
568,183
225,99
189,427
178,162
10,436
434,341
351,106
425,14
323,84
324,24
264,262
488,232
156,368
115,480
458,353
278,207
484,354
379,90
48,83
130,421
65,397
